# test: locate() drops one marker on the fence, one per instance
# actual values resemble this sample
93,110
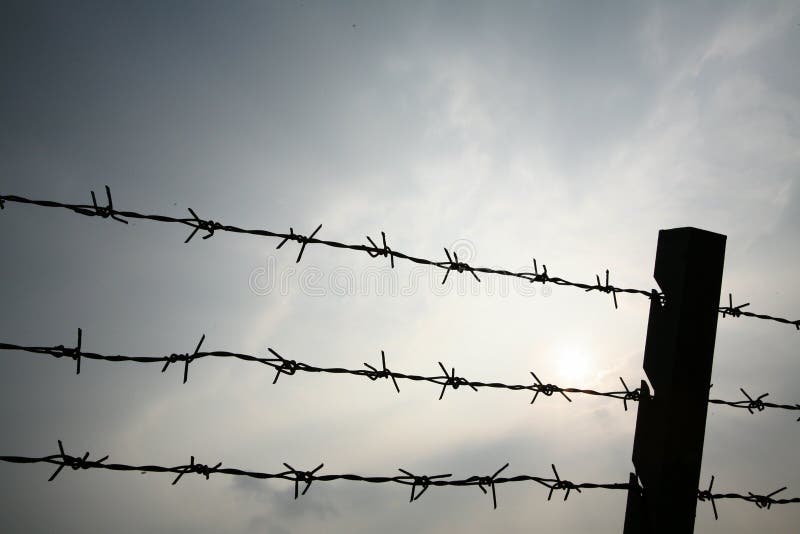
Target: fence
667,404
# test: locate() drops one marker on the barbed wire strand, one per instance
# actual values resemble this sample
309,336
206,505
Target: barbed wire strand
419,483
198,224
761,501
406,478
449,379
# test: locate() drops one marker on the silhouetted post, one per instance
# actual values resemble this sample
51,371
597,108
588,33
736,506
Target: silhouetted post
678,356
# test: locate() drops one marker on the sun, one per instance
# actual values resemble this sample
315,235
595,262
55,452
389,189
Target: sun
573,364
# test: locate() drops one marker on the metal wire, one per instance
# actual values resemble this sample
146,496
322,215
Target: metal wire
198,224
449,379
761,501
419,483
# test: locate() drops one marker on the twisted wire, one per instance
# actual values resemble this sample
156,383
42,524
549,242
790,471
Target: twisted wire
452,263
304,478
762,501
448,379
419,483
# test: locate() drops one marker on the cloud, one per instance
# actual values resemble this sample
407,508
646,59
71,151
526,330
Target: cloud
281,502
749,27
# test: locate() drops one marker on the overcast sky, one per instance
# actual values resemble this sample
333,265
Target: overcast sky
571,132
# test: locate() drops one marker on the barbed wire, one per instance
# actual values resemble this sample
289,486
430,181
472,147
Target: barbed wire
755,405
419,483
761,501
449,379
198,224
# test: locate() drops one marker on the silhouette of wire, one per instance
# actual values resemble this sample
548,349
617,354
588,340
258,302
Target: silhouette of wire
449,379
756,404
419,483
736,311
452,263
761,501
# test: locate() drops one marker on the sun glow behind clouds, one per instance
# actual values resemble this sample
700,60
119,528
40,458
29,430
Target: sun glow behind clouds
574,363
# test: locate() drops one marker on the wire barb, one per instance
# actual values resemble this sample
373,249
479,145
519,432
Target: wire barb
706,495
490,481
537,277
423,482
302,476
185,358
561,485
106,211
454,265
207,226
607,288
383,373
545,389
630,395
754,404
75,462
286,367
380,251
74,353
730,309
200,469
453,381
303,240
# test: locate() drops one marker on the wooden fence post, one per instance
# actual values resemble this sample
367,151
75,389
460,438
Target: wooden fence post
678,356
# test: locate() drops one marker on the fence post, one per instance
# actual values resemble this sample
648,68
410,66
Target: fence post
678,356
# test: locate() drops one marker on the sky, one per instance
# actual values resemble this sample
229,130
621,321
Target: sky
569,132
